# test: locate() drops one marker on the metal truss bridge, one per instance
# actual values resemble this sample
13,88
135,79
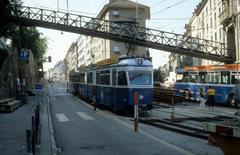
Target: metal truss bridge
123,31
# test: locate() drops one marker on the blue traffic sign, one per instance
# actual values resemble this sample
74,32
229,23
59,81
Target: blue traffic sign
24,55
38,86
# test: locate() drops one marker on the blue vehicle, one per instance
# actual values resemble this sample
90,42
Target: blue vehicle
221,77
113,83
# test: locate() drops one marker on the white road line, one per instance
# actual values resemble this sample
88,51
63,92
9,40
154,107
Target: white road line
161,141
85,116
62,117
60,94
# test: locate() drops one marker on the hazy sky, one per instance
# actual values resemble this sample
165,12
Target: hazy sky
166,15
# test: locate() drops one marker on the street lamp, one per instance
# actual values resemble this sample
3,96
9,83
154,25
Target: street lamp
136,11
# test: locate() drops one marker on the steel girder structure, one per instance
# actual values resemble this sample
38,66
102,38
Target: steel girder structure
124,31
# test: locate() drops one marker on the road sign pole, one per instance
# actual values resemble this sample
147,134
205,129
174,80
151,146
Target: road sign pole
136,98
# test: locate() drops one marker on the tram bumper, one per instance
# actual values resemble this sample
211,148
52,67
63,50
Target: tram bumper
145,101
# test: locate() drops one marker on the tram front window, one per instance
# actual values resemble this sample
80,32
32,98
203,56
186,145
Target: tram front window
140,77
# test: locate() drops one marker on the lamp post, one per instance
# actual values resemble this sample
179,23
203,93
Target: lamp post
57,5
136,11
67,6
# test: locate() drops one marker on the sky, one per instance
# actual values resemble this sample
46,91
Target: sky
166,15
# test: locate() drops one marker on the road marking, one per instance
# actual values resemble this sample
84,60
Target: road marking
85,116
62,118
172,146
64,94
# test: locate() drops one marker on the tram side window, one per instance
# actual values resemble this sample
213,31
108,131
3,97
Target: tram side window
214,77
89,78
105,77
193,77
235,79
225,77
114,82
185,77
82,76
202,77
97,78
179,77
122,79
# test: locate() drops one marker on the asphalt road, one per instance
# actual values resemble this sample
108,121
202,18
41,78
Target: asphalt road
81,130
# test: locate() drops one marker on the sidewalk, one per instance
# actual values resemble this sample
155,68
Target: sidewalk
13,128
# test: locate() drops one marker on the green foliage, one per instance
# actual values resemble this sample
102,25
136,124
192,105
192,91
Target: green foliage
8,29
31,38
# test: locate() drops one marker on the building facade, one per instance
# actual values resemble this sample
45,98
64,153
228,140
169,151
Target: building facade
84,51
120,11
71,59
216,20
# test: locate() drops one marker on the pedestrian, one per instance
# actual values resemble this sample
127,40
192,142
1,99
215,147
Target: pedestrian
211,96
202,99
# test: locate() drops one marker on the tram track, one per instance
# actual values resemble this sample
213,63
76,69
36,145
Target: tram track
186,120
175,127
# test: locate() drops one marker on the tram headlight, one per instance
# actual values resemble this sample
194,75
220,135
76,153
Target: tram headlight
140,97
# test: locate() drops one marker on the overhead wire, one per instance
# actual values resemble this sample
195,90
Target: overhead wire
158,3
175,4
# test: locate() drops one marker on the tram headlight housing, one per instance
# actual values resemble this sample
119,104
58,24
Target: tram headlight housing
140,97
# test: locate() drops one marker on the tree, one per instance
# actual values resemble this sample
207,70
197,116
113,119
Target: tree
30,37
8,29
158,75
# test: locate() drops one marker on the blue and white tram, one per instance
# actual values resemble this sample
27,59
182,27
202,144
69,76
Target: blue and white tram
115,84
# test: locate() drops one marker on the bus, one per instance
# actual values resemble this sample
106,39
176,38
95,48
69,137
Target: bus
222,78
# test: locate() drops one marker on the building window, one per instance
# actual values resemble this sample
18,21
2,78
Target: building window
215,20
210,4
115,12
211,23
220,34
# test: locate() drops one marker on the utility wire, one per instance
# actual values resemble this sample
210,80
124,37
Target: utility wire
169,7
158,3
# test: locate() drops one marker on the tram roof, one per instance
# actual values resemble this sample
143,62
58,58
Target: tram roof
119,62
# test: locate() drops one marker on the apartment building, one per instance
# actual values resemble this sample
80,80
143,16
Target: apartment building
230,20
216,20
71,59
84,51
120,11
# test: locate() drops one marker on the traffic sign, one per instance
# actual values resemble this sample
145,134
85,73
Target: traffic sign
38,86
24,55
